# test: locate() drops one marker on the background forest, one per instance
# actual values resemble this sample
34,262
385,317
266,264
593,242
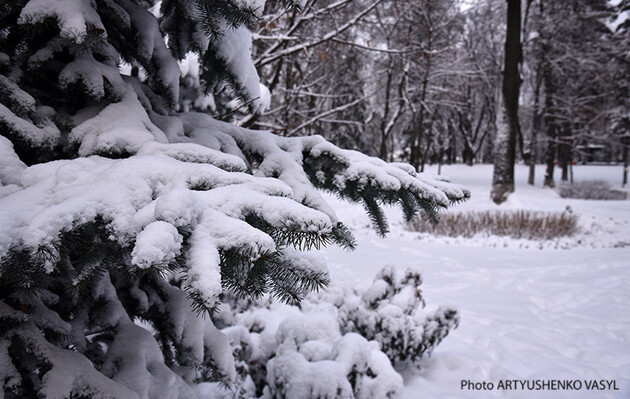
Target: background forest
420,81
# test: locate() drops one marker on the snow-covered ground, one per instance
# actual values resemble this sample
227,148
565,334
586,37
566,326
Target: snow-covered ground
529,311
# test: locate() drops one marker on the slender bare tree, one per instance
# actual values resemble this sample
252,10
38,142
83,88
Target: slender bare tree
508,124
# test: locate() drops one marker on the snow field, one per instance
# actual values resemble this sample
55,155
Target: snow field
529,310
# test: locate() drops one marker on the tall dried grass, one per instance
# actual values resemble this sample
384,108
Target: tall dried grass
531,225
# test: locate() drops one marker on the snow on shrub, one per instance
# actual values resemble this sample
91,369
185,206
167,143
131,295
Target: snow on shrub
389,312
338,344
591,190
307,356
347,367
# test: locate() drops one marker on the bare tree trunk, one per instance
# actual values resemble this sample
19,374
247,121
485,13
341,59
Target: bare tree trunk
550,159
383,127
625,141
535,128
383,152
508,125
564,152
452,154
416,151
550,128
468,155
426,153
531,177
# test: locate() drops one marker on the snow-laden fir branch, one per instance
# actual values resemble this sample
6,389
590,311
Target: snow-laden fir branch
120,216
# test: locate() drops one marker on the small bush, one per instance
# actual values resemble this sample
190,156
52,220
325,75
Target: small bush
531,225
342,343
389,312
591,190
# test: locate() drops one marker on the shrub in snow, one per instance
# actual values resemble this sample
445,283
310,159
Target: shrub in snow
120,215
389,312
591,190
339,344
349,367
530,225
306,355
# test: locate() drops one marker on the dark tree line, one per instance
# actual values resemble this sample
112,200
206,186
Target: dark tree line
438,81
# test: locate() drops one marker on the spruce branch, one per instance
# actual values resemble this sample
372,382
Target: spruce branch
244,276
214,13
21,272
376,214
343,237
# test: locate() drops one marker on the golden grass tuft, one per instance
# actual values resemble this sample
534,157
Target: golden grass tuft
530,225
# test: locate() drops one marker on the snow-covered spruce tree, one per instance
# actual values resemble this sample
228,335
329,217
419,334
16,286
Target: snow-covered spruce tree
120,216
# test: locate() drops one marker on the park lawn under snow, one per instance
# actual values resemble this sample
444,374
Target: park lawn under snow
529,310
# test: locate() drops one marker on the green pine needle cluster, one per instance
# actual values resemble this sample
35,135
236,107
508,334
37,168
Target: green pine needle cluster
324,169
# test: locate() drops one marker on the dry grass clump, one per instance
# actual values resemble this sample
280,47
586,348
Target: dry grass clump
530,225
591,190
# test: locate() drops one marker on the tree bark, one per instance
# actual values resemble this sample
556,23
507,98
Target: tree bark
535,128
564,152
508,124
625,141
416,151
550,129
383,147
468,155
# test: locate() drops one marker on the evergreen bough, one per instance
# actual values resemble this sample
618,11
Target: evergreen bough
121,215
